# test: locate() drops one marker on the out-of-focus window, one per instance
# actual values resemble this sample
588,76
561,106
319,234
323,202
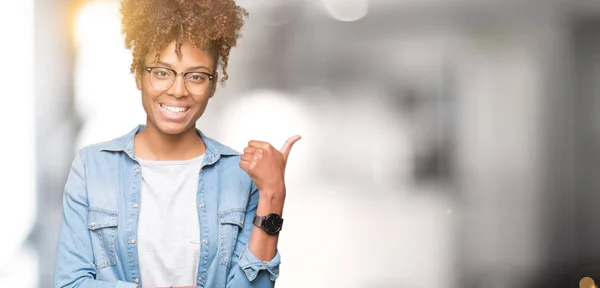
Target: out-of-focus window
103,84
17,180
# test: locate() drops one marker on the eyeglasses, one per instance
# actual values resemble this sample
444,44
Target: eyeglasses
162,78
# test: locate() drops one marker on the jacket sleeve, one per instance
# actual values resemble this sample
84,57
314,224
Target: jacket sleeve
74,265
247,270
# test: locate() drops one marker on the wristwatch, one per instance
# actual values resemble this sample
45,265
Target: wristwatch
271,223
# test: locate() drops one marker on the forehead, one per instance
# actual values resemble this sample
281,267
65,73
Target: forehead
190,56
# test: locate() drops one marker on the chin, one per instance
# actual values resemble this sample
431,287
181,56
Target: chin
172,128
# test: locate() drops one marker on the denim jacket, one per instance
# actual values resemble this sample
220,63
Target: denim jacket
101,204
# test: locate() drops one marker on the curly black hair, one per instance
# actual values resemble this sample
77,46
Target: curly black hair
150,25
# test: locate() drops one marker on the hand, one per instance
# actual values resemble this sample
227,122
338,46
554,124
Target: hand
266,165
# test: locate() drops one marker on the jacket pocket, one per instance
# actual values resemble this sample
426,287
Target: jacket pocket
103,229
231,223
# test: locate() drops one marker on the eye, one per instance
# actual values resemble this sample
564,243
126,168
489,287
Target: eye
161,73
197,77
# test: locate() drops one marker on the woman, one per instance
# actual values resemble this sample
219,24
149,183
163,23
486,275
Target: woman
165,205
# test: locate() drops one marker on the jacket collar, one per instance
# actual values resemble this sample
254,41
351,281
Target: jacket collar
214,149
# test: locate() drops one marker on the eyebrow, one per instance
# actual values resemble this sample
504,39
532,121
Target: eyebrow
189,69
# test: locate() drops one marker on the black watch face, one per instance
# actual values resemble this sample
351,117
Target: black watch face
273,223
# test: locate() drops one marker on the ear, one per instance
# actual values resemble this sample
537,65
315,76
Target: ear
138,79
213,89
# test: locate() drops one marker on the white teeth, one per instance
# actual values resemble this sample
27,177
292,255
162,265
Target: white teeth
173,109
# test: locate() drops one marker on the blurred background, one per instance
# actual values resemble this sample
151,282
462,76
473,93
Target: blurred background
446,143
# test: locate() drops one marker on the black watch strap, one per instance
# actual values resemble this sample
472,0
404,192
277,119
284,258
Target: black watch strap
259,220
271,223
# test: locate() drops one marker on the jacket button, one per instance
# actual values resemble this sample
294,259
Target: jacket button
132,241
136,281
135,205
137,170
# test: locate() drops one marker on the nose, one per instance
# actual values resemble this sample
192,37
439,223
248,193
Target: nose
178,89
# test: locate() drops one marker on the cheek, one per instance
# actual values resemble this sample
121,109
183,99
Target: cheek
200,104
148,99
149,93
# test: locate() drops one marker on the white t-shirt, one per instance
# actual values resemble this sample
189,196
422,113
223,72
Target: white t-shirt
169,230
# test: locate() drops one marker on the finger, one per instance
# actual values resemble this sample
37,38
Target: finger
252,150
287,146
259,144
245,165
248,157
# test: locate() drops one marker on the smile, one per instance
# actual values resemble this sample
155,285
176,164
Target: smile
174,110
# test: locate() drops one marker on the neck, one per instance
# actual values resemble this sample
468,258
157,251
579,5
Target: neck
153,144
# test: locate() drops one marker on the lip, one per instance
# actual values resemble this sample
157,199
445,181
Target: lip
173,116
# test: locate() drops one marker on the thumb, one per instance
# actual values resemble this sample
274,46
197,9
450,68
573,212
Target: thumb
287,146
